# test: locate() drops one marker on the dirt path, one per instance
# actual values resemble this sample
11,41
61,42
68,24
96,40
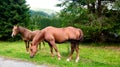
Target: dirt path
14,63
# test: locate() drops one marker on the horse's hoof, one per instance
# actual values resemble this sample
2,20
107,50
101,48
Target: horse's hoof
27,52
31,56
59,58
52,55
77,60
68,60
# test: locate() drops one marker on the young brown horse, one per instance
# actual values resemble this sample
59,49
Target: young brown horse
27,35
54,35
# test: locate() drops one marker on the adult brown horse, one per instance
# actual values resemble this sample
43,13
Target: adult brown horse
26,34
54,35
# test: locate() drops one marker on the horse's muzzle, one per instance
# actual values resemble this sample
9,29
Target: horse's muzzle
32,56
12,35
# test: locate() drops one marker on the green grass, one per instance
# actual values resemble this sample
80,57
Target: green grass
90,56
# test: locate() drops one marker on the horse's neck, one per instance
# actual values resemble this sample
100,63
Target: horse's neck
38,38
23,31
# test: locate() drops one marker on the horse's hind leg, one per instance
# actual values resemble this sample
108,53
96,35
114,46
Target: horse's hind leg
77,52
27,45
72,51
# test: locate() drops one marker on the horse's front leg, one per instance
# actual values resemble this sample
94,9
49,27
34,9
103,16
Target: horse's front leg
39,46
51,50
55,47
26,45
43,43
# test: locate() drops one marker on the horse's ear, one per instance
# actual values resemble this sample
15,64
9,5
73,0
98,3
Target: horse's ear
15,25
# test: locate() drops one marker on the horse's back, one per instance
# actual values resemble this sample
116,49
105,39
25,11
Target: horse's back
73,33
62,34
35,31
53,33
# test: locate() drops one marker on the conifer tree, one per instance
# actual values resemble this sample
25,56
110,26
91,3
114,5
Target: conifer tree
12,12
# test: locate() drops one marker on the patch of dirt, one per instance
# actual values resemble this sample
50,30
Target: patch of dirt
112,47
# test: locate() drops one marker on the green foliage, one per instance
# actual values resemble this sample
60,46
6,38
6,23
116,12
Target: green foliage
97,27
44,22
12,12
40,20
117,5
72,15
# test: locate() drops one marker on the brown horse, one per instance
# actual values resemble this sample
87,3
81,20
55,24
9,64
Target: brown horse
54,35
27,35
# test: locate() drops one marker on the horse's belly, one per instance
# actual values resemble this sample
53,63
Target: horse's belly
60,38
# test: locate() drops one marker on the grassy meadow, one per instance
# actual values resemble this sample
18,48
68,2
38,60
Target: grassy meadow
90,56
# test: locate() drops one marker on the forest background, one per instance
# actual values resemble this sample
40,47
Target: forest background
99,19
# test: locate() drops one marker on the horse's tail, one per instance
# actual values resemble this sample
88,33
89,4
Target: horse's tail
81,36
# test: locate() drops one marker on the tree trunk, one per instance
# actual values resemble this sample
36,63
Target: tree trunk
99,8
93,7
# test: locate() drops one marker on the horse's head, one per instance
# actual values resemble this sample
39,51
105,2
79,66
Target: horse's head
33,50
15,31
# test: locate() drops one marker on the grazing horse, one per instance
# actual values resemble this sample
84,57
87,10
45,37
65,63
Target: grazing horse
27,35
54,35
